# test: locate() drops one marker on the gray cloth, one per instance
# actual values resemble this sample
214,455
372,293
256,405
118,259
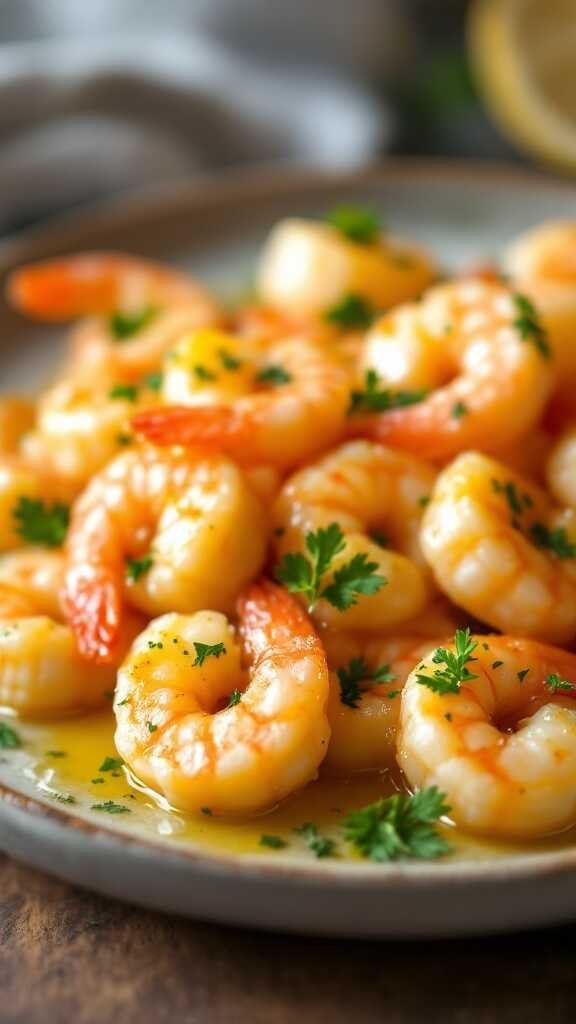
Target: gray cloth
104,96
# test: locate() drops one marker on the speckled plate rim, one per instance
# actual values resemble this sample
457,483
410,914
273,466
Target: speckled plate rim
58,234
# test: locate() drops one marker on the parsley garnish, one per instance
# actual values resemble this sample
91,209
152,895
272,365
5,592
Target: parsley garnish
358,672
56,753
302,574
375,399
517,502
9,738
153,381
555,541
275,375
111,764
228,361
455,672
151,727
273,842
124,325
203,373
529,327
204,651
351,311
357,223
63,798
459,409
39,523
320,845
555,683
522,674
234,698
109,807
137,567
399,826
127,391
124,439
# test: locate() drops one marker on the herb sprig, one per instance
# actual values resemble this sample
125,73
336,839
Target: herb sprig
357,672
40,523
373,398
357,223
399,826
529,327
454,670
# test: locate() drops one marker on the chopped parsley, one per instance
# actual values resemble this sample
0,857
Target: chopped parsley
151,727
557,684
9,738
303,573
203,373
497,664
234,698
455,671
517,502
357,223
111,764
153,381
204,651
320,845
424,500
556,541
358,672
125,325
522,674
228,361
350,312
127,391
375,399
137,567
124,439
529,327
109,807
56,753
63,798
274,374
40,523
399,826
273,842
459,409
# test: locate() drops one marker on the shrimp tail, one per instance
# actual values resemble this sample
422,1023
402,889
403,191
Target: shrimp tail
57,290
93,609
270,617
204,426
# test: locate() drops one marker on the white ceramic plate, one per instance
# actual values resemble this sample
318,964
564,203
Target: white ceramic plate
465,214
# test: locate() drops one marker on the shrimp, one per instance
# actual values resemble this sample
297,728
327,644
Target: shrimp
307,267
139,309
364,722
299,411
489,382
491,539
20,481
16,418
561,468
175,731
502,749
41,672
184,527
369,491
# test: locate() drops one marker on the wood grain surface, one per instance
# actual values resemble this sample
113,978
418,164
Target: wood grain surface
69,956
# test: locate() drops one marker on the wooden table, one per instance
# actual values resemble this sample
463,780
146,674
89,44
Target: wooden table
69,956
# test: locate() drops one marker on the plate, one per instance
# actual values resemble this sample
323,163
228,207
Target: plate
466,213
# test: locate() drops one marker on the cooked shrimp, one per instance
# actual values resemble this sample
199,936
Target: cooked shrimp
561,468
209,367
368,490
16,418
489,380
19,480
502,749
175,731
297,414
307,267
189,524
141,309
489,536
363,730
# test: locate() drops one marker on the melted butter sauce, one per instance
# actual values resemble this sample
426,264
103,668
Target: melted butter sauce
64,761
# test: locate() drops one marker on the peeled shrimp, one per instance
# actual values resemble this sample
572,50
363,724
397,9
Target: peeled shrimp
367,490
175,731
480,533
156,305
282,424
307,267
193,517
561,468
488,383
503,749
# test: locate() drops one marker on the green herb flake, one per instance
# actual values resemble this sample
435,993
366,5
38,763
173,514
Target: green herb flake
127,391
556,541
9,738
204,651
399,826
357,672
352,311
109,807
151,727
126,325
63,798
375,399
203,373
56,754
234,698
357,223
528,325
153,381
272,842
40,523
557,684
275,375
459,409
497,664
124,439
320,845
455,670
229,362
137,567
111,764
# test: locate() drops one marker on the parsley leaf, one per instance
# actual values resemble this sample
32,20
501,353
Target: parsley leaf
274,374
40,523
455,672
358,576
459,409
203,373
229,362
234,698
555,541
204,651
137,567
357,223
273,842
351,311
9,738
320,845
109,807
125,325
556,684
529,327
111,764
127,391
358,672
517,502
399,826
375,399
153,381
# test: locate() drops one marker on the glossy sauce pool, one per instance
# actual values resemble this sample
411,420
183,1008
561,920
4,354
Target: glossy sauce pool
64,761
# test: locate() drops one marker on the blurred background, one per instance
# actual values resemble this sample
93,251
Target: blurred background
98,96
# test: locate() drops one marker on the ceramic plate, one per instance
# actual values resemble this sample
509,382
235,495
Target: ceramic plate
150,856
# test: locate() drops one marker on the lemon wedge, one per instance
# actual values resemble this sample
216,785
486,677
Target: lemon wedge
523,53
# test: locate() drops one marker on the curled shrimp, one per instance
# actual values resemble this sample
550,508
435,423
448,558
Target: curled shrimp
561,468
489,381
489,536
307,267
299,410
166,529
370,492
175,731
502,749
140,309
42,674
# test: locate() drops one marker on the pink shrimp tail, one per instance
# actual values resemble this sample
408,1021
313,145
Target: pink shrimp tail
213,426
270,617
93,609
